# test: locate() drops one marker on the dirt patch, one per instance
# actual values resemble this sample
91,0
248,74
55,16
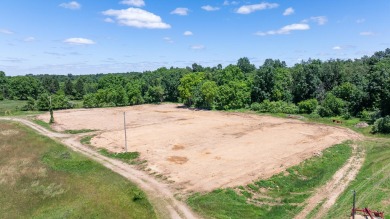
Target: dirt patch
178,147
223,149
9,132
177,160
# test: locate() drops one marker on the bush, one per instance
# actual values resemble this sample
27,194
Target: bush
308,106
331,106
30,105
1,97
275,107
382,125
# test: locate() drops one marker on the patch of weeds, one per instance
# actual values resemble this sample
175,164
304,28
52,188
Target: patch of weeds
62,160
43,124
126,156
86,140
80,131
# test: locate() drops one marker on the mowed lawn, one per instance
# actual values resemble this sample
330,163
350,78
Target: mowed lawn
40,178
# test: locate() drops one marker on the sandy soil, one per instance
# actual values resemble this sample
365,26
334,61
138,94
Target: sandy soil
204,150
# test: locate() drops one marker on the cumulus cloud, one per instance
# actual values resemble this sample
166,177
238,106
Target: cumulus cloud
198,47
29,39
135,17
337,48
71,5
367,33
180,11
5,31
226,2
247,9
136,3
285,30
288,11
168,40
320,20
79,41
188,33
210,8
109,20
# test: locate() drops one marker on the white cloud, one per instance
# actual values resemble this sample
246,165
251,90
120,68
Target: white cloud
71,5
337,48
137,3
285,30
109,20
5,31
180,11
79,41
135,17
210,8
247,9
359,21
168,40
367,33
29,39
320,20
226,2
198,47
288,11
188,33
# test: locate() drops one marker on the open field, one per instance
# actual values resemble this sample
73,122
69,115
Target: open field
40,178
204,150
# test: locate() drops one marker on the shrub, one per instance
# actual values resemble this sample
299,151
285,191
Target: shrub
308,106
30,105
1,97
275,107
382,125
331,106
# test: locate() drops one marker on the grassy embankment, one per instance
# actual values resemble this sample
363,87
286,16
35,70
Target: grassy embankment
281,196
372,184
41,178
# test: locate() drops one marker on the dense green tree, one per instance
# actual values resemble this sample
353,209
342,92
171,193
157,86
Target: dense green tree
233,95
306,80
79,88
50,83
134,92
272,82
209,90
68,88
245,65
331,106
228,74
3,86
22,87
189,85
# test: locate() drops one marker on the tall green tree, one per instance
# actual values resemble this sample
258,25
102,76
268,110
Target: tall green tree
245,65
189,85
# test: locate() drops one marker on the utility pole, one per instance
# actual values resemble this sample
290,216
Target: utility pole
353,207
51,112
124,125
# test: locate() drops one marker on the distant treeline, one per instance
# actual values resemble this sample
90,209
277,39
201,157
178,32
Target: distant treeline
359,87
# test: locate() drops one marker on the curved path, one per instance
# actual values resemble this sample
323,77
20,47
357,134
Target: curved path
329,193
159,194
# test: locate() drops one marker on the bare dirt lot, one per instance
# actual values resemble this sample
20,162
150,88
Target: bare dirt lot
204,150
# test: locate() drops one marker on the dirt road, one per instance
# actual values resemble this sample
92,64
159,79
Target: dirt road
329,193
161,197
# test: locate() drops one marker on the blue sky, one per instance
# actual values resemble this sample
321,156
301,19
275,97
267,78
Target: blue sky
85,36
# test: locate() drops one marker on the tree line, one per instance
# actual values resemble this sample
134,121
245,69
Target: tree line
358,88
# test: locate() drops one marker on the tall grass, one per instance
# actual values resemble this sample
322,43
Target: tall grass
372,184
40,178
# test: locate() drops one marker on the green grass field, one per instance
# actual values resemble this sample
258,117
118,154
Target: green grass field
13,108
281,196
40,178
372,184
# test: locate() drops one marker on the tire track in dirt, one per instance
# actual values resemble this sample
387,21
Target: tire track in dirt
329,193
159,194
